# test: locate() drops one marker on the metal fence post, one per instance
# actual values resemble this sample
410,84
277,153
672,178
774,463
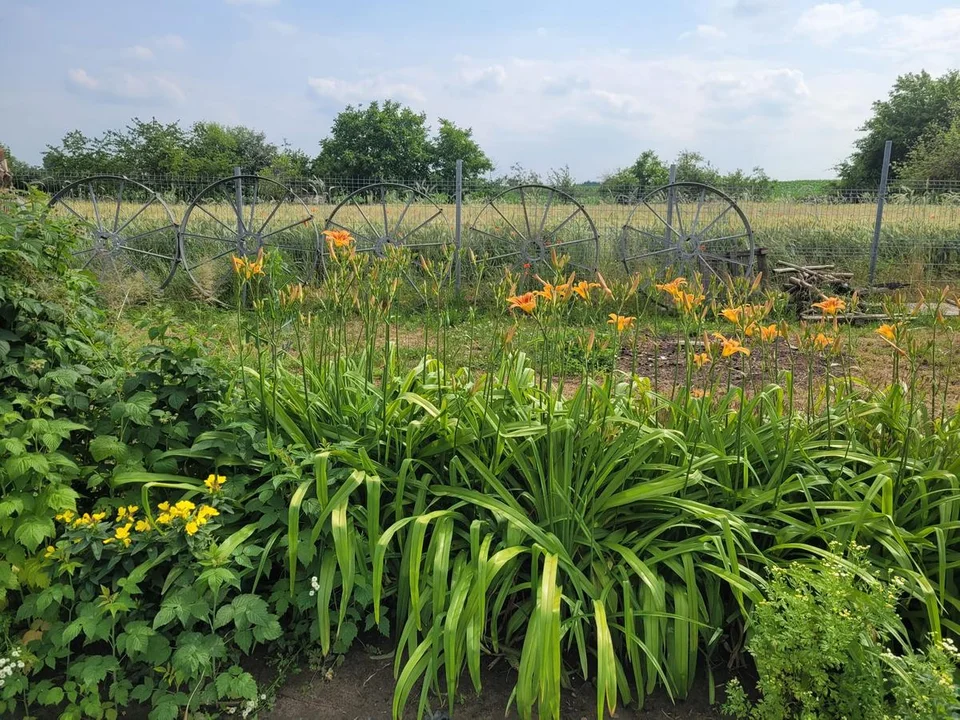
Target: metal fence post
456,229
672,180
881,197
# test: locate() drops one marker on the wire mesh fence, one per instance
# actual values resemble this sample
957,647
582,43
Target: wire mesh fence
919,237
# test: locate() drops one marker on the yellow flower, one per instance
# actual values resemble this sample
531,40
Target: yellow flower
732,314
583,288
526,302
547,293
701,359
142,526
205,512
698,393
731,346
215,482
164,518
50,551
66,516
888,332
248,268
769,333
191,527
686,302
831,306
623,322
97,517
822,342
564,291
338,238
164,506
673,287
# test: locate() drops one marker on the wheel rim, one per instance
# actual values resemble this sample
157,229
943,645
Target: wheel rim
240,216
523,226
128,236
692,226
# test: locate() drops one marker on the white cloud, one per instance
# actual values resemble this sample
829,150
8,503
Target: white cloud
282,28
169,42
140,52
359,91
487,78
704,32
81,78
541,32
829,22
934,33
259,3
126,86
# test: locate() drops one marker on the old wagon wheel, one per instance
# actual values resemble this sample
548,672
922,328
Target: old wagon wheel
524,226
129,236
241,215
691,226
386,214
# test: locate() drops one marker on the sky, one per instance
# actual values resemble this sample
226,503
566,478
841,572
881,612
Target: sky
588,84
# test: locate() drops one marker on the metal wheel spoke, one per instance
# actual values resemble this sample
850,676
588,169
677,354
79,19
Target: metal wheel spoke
253,205
724,259
512,226
428,220
423,245
383,202
559,227
569,242
652,252
491,235
137,214
364,216
546,211
270,216
676,212
526,215
96,253
403,213
145,252
232,231
658,238
116,216
726,237
148,232
79,216
78,253
717,219
236,204
291,225
96,207
210,259
665,223
696,217
231,241
498,257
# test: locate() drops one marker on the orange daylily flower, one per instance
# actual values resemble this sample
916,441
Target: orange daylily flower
583,288
888,332
547,293
687,301
526,302
822,342
701,359
733,314
831,306
248,268
623,322
731,346
673,287
769,333
338,238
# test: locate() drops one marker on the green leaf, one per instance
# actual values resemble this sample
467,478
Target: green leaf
108,446
31,530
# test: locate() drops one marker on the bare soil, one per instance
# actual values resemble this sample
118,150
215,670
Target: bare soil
362,689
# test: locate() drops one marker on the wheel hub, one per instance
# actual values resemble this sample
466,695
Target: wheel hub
533,250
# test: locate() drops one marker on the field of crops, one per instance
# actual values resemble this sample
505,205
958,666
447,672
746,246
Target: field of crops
623,485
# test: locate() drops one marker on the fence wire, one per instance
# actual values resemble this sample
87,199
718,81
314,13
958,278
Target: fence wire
919,237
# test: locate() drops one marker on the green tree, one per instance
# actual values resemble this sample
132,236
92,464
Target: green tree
649,170
149,148
622,185
918,106
452,143
214,149
935,157
693,167
376,142
80,155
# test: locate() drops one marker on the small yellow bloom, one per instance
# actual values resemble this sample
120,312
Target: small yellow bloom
731,346
164,518
888,332
732,314
673,287
98,517
622,322
822,342
831,306
698,393
701,359
214,483
192,527
526,302
547,293
205,512
686,302
164,506
583,288
142,526
50,550
66,516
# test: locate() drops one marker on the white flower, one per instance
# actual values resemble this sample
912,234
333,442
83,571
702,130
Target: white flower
312,593
20,664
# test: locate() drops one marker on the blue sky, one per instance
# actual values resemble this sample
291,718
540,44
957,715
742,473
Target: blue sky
775,83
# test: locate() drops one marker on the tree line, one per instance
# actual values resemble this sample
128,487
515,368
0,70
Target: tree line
388,141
